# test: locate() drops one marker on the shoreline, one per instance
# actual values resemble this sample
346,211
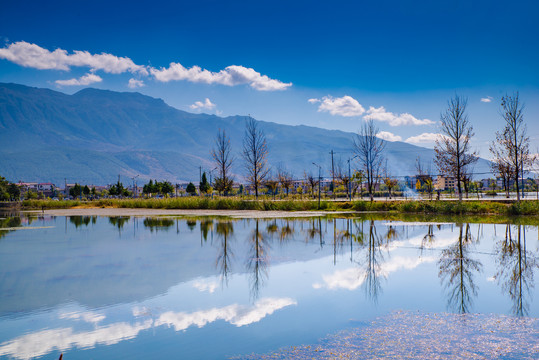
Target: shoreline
250,214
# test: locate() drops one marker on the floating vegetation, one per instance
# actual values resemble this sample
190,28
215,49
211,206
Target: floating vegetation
411,335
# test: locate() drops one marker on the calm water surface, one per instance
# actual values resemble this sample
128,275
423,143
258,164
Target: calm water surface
213,288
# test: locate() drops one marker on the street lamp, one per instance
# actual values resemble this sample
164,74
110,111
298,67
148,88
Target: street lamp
319,181
350,177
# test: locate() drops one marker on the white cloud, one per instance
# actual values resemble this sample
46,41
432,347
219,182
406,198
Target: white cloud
208,286
43,342
207,104
487,99
234,314
388,136
87,316
134,83
230,76
352,278
425,138
34,56
83,80
380,114
344,106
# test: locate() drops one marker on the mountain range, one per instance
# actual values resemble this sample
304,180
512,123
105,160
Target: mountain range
94,135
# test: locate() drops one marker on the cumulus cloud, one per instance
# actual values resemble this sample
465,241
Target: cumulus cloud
83,80
345,106
134,83
352,278
206,104
486,99
235,314
388,136
380,114
34,56
230,76
40,343
425,138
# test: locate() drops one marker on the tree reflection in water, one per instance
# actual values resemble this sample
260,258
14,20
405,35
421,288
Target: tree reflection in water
118,221
79,221
456,270
156,224
206,225
7,223
286,232
224,230
516,269
429,238
257,261
373,264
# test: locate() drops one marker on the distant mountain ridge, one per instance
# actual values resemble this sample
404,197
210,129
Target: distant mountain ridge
95,135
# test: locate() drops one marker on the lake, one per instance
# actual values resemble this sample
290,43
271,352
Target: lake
216,288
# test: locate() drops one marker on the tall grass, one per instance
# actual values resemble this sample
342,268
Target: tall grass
230,203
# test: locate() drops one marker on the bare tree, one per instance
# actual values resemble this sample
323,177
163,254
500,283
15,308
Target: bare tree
341,173
285,179
512,147
500,164
452,149
221,154
255,152
369,149
311,181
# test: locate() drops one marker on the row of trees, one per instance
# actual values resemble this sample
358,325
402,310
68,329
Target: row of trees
511,149
454,156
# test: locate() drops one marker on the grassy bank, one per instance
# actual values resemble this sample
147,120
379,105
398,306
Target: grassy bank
410,206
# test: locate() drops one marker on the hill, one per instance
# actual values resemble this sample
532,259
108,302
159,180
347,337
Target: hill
95,135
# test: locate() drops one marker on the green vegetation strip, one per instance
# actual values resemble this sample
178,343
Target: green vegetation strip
426,207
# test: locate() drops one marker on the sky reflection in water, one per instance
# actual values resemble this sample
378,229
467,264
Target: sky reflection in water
213,288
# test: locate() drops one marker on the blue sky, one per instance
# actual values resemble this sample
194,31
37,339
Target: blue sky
330,65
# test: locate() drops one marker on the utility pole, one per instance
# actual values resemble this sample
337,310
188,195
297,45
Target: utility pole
350,177
332,175
349,181
319,181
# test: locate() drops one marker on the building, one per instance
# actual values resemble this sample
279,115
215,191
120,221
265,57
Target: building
444,183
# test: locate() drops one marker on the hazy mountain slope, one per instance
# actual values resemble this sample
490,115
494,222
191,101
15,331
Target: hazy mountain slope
94,135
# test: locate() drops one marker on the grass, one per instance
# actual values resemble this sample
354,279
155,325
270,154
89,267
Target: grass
472,207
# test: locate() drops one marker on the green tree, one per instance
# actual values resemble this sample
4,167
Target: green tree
4,185
204,185
118,190
86,190
14,192
191,189
166,188
75,190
